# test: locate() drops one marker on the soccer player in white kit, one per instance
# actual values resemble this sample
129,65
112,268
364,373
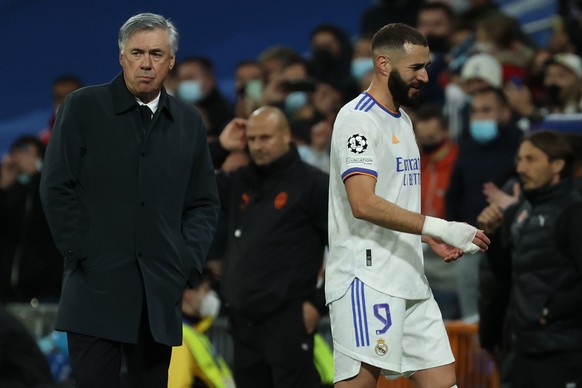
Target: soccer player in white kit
384,318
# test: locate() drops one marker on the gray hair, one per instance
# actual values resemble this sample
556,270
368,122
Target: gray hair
148,22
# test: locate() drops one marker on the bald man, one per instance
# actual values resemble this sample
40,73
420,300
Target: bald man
277,232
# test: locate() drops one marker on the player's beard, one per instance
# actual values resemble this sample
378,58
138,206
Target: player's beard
399,90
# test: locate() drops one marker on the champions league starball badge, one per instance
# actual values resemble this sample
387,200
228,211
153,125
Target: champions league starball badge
381,348
357,143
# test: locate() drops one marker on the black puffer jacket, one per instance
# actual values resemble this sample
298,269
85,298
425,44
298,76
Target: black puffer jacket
547,271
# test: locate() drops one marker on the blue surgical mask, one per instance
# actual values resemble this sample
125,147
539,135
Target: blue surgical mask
361,67
295,101
190,91
483,131
254,89
23,179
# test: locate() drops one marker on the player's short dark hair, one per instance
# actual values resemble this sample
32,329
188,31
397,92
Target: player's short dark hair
395,36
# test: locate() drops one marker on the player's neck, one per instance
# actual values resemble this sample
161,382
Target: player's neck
379,90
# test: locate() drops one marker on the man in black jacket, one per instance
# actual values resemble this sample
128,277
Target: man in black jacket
277,232
130,196
544,315
30,264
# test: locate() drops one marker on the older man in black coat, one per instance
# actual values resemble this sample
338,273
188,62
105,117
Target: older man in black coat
130,196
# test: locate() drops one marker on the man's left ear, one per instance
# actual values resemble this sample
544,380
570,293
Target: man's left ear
384,64
558,166
172,62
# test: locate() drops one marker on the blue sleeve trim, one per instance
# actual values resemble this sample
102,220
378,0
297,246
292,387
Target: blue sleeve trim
361,171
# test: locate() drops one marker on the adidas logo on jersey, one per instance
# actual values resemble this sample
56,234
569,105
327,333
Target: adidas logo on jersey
395,139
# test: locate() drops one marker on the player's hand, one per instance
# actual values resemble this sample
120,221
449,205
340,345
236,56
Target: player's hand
232,138
458,234
447,252
481,240
311,317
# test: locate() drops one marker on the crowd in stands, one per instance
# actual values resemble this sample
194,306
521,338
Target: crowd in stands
490,85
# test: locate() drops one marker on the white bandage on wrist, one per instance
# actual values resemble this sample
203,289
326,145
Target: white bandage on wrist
434,227
457,234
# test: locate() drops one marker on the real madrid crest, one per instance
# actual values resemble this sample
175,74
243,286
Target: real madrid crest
381,348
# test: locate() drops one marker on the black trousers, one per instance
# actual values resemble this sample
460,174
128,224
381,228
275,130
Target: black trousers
96,362
274,352
553,370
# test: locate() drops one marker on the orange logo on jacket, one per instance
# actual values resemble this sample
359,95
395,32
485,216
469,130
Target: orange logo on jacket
395,140
246,200
281,200
522,215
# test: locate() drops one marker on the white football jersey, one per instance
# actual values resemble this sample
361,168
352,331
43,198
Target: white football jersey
369,139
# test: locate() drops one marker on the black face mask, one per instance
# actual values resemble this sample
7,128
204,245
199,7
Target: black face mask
431,148
322,60
553,95
438,43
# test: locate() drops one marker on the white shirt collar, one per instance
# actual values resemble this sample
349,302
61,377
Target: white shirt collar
153,104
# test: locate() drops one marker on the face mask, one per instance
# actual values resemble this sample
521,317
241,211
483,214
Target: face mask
210,305
438,43
23,179
460,6
254,89
322,60
483,131
483,47
553,94
295,101
361,67
430,148
190,91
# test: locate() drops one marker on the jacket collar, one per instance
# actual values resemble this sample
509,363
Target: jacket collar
547,193
285,163
124,101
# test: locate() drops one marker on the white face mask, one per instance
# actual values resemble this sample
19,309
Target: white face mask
210,305
484,47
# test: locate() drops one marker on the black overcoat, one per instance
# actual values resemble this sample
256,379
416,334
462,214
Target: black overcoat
132,209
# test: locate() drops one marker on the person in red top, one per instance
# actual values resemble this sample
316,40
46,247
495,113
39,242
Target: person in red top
438,155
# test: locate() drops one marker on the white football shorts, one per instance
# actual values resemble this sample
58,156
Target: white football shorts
397,335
